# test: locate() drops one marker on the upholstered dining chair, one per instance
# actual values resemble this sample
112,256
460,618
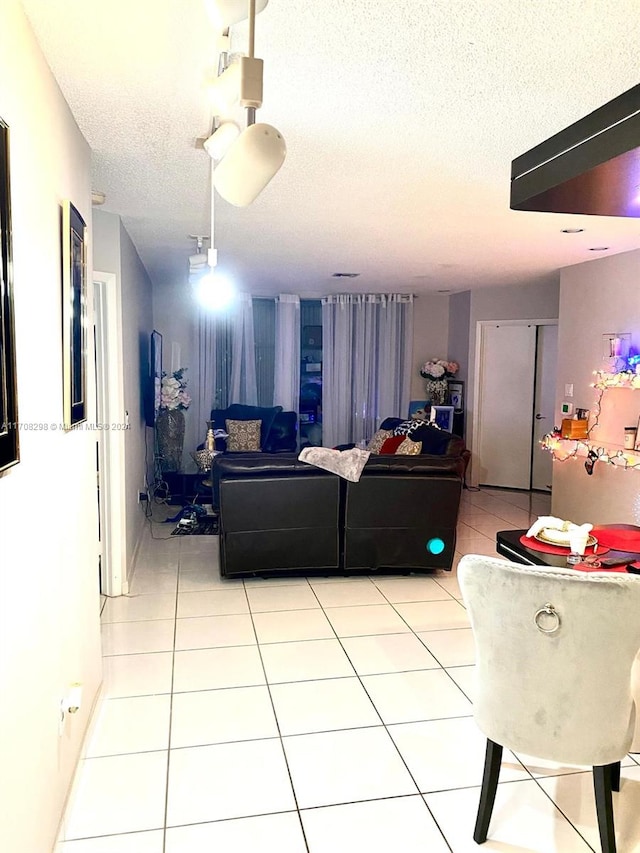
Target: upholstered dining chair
554,652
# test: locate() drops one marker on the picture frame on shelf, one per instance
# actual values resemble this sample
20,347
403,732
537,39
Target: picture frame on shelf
74,316
456,394
442,416
9,443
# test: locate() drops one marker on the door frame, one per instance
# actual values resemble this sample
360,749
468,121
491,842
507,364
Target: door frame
477,380
109,410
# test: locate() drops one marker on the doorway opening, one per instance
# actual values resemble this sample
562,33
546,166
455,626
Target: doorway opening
109,443
515,381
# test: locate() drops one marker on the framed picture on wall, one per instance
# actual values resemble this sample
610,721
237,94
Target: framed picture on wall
9,448
456,394
74,316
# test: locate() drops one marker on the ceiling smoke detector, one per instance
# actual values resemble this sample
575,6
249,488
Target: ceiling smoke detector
97,197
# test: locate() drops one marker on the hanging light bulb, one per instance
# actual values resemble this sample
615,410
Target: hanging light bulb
214,290
249,164
223,136
226,13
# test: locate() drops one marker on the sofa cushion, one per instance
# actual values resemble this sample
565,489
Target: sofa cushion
409,448
408,427
391,423
434,440
379,439
283,434
390,445
244,436
240,412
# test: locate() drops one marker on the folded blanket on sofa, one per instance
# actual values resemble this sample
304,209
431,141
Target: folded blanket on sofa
344,463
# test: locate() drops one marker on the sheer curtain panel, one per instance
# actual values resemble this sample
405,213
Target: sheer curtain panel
286,392
243,387
367,347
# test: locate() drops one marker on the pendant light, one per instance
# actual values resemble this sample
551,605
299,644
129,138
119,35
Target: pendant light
226,13
253,159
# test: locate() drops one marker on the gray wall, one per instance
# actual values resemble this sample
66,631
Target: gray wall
115,253
597,298
430,338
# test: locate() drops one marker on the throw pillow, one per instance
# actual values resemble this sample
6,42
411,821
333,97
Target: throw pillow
434,440
408,427
390,423
242,412
390,445
244,436
409,448
283,435
379,439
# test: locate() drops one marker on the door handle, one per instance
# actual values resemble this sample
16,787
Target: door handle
541,417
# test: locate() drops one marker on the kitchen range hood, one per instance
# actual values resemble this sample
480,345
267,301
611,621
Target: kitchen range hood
592,166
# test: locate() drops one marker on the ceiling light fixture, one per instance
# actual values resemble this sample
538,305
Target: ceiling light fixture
226,13
253,159
222,137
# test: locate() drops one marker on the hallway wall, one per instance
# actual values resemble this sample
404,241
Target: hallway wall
49,603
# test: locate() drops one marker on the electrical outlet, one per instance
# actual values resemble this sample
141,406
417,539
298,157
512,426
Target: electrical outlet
142,496
568,390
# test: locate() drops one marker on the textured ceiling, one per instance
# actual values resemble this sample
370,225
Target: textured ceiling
401,119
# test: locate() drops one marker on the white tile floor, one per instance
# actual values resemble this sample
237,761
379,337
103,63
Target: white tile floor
316,715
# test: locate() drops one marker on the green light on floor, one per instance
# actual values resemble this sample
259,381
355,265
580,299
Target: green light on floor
435,545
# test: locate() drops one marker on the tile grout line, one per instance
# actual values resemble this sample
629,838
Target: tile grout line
173,661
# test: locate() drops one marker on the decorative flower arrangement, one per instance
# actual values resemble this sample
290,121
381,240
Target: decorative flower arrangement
439,368
173,393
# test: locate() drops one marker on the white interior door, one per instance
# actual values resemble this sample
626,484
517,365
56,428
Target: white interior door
544,405
505,404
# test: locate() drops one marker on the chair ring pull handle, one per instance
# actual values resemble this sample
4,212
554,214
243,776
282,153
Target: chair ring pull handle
547,610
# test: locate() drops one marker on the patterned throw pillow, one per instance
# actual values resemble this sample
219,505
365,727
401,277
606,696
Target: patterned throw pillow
379,439
409,448
243,436
407,427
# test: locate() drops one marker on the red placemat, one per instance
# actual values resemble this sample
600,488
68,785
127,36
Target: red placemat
536,545
623,537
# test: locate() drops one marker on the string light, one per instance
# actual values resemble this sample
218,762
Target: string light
563,449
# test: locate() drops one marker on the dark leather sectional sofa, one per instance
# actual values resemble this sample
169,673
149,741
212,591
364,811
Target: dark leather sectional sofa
280,515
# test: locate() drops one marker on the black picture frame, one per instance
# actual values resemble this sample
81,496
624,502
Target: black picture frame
456,394
154,381
74,316
9,434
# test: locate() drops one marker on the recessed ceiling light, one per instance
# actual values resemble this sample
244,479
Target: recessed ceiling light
443,291
572,230
599,249
345,275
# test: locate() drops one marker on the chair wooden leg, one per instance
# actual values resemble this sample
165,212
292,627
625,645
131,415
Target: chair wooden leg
492,760
615,776
602,779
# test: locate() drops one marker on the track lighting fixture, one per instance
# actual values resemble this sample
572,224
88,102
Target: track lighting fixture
248,163
226,13
222,137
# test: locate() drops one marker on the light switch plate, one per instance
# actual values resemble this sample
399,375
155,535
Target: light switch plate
568,390
567,408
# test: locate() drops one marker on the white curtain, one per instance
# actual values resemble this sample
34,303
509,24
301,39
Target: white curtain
286,391
367,348
243,387
207,368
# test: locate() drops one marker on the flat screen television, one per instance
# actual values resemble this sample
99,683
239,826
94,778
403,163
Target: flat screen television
154,379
